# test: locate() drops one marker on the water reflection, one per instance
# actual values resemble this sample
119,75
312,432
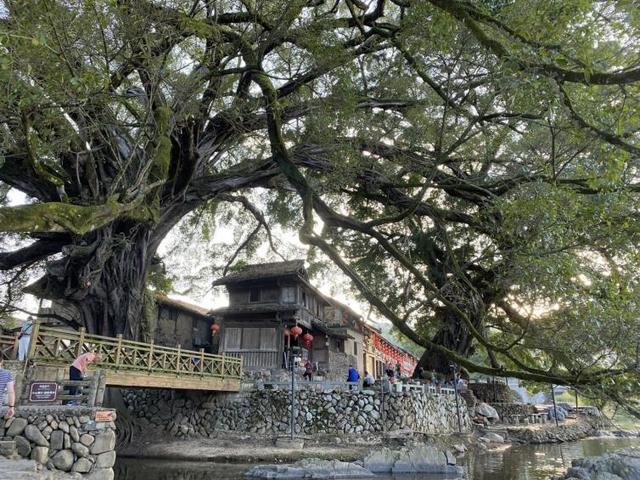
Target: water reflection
538,462
526,462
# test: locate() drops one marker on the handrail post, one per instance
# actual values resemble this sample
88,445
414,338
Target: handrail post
14,349
33,340
150,355
201,362
80,341
178,360
118,350
222,367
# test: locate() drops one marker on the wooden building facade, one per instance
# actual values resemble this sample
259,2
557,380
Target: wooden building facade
265,302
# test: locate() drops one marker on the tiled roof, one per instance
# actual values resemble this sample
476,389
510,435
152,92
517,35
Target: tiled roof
263,270
182,305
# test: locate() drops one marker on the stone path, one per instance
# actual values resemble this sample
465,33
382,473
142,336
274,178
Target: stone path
27,470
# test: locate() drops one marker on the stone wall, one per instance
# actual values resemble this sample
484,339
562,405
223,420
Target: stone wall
492,392
267,412
64,438
510,409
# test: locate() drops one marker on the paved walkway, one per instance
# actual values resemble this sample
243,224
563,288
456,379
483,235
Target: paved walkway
26,470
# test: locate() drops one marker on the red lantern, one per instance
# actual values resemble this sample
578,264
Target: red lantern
296,331
307,338
214,328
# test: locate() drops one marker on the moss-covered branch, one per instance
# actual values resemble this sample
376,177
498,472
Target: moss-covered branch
58,217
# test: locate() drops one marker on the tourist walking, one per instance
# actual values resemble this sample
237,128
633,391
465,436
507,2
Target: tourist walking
78,369
7,385
352,377
24,338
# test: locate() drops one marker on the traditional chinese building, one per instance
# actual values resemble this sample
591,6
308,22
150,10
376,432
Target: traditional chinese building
266,302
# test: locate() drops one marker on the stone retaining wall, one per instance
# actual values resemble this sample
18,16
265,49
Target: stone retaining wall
64,438
267,412
585,427
510,409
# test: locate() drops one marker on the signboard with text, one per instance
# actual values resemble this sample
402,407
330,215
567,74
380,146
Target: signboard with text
105,416
41,392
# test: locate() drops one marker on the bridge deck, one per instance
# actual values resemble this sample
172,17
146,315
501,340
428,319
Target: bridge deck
128,363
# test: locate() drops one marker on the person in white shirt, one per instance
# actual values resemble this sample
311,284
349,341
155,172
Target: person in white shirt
24,338
368,379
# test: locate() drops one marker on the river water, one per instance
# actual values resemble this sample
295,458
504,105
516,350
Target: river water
524,462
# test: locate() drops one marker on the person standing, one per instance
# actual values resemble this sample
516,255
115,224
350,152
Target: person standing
24,338
369,381
352,377
308,371
7,385
78,368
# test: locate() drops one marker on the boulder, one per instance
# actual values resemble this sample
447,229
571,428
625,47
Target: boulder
103,442
57,440
416,459
17,427
23,446
63,460
487,411
35,435
80,450
106,459
40,454
101,474
310,468
82,465
624,464
87,439
492,437
7,448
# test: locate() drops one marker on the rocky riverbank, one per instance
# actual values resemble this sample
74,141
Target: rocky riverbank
235,447
621,465
569,431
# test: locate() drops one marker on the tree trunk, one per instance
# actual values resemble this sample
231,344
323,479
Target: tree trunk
100,281
453,335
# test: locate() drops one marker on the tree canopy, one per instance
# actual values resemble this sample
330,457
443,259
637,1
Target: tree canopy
471,166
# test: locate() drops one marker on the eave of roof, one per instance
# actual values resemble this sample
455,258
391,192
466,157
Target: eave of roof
183,305
263,270
254,308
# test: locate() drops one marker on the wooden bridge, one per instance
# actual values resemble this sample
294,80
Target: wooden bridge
127,363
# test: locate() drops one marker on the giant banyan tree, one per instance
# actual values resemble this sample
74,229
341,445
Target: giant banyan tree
471,166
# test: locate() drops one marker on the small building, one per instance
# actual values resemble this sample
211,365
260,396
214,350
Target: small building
183,323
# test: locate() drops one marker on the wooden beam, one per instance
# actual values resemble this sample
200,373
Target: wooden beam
134,379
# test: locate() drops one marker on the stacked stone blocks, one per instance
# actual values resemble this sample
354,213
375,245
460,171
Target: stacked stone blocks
63,438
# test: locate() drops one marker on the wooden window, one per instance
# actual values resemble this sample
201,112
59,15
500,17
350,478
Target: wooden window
232,339
304,298
288,294
250,338
254,295
268,339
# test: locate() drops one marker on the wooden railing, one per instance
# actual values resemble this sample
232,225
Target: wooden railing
60,347
8,347
257,359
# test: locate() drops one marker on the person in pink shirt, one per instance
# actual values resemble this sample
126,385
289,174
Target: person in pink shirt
79,366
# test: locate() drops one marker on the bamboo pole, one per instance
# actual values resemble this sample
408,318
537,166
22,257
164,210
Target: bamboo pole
118,350
150,356
82,331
